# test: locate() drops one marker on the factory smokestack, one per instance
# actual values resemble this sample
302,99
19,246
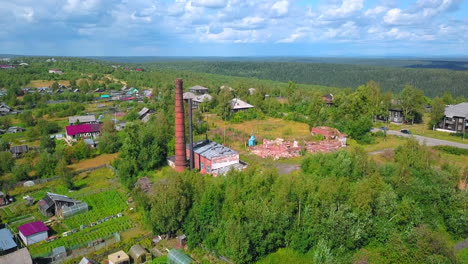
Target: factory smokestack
180,155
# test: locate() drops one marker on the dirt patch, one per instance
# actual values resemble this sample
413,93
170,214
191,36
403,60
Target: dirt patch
286,168
43,83
95,162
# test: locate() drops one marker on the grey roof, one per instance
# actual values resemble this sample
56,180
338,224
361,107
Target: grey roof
459,110
198,88
143,111
237,103
203,98
188,95
210,149
6,239
58,250
19,149
81,119
21,256
136,251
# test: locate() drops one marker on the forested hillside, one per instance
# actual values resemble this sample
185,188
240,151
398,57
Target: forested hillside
434,82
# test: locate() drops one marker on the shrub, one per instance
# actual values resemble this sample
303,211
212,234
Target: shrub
452,150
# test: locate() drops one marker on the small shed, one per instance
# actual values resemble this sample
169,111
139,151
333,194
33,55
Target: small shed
252,141
7,242
176,256
17,151
59,253
33,232
86,260
119,257
139,254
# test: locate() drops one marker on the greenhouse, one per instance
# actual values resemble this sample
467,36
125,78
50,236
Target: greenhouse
68,211
178,257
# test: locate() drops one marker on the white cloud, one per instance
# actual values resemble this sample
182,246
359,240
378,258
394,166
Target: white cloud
209,3
292,38
346,9
280,8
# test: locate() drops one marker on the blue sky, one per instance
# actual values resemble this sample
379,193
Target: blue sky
234,27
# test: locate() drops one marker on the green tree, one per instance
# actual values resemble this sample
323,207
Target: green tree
27,118
65,173
437,112
411,101
6,162
46,165
48,144
21,171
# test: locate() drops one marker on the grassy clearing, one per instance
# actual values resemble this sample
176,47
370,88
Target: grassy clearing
269,128
95,162
390,142
44,83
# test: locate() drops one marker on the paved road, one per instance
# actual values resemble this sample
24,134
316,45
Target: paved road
426,140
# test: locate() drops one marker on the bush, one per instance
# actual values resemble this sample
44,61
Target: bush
452,150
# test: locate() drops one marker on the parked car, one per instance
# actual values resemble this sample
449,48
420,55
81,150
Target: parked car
405,131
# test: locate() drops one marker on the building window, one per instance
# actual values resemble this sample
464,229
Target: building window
208,169
201,165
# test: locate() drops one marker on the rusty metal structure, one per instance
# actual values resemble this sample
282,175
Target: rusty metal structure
180,151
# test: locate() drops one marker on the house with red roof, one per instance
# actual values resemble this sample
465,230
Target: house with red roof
33,232
83,131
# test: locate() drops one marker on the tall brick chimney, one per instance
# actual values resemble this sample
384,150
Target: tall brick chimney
180,156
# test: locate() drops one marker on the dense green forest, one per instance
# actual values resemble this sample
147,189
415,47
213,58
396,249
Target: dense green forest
434,82
342,207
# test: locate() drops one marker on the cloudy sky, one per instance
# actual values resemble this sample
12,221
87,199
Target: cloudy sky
234,27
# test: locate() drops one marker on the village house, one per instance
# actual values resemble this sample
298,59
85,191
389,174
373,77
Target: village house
396,115
328,99
455,119
33,232
56,71
15,129
5,199
4,109
198,90
17,151
239,105
60,205
145,114
213,158
83,131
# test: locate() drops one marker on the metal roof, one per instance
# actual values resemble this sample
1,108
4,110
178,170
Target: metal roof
198,88
458,110
237,103
81,119
210,149
32,228
19,149
203,98
6,239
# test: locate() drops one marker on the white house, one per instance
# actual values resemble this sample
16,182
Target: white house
33,232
